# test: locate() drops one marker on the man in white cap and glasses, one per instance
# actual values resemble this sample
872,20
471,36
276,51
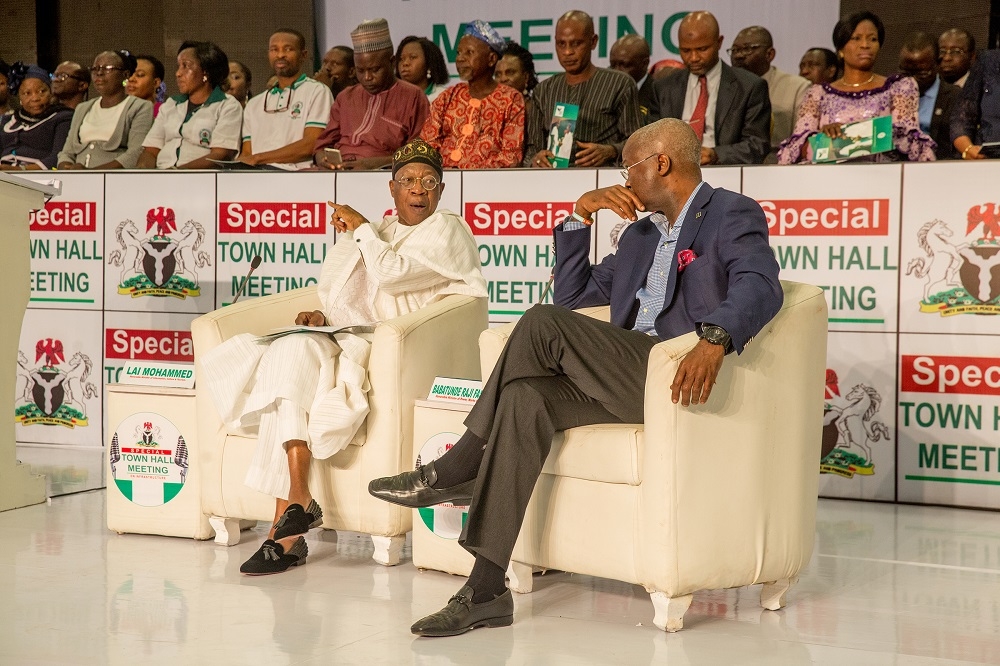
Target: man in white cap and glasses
370,121
280,126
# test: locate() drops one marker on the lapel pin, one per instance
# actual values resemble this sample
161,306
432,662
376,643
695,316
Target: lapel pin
697,215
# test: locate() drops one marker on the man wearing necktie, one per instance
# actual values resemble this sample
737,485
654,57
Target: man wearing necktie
727,108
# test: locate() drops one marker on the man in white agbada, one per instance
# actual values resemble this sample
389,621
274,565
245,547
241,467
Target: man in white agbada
305,394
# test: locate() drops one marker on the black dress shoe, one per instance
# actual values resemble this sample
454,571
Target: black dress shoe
271,558
461,615
296,520
414,489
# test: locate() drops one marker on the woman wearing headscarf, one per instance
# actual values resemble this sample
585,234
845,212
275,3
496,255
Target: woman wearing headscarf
479,123
31,136
107,132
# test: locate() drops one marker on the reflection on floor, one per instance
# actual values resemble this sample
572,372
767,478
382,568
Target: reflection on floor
887,585
67,469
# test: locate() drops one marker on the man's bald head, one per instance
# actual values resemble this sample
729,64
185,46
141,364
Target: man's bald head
581,17
758,34
699,42
630,54
664,165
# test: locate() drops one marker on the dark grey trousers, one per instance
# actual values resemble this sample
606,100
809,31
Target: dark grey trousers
558,370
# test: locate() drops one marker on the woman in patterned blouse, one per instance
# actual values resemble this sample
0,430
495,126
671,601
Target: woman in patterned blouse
860,94
479,123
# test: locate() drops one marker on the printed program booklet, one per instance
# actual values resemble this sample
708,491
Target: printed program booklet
561,132
289,330
865,137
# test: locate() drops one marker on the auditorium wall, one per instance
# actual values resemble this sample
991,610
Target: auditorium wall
908,256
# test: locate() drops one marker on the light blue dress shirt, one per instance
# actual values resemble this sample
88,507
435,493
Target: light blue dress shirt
927,102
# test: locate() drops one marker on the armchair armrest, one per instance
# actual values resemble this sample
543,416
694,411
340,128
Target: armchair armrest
257,316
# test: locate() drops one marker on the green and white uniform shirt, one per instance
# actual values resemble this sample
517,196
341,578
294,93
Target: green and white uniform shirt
184,134
279,117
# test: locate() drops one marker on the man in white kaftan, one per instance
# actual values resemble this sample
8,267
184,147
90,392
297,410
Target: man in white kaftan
305,394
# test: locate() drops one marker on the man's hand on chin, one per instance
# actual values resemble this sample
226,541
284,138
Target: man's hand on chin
618,199
696,374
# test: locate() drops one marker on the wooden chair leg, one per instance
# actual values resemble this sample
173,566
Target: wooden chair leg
772,595
388,549
668,612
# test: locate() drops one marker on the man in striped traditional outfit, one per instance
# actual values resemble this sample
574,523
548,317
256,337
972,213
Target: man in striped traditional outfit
304,395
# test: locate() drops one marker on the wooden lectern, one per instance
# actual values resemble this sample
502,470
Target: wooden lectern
18,197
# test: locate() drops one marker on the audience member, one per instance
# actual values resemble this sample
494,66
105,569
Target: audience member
419,61
238,82
919,59
32,135
338,69
819,65
370,121
664,67
561,369
478,123
727,108
148,81
957,52
107,132
630,54
517,70
976,118
71,84
860,94
306,394
281,125
4,87
608,101
753,50
201,125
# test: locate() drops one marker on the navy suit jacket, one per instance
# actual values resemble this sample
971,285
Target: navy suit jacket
732,283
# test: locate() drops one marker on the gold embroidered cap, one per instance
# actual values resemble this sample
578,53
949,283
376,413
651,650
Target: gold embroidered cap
417,150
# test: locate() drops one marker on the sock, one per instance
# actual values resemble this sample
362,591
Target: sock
461,462
487,580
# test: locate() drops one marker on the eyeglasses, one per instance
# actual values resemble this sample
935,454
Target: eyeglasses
918,73
63,76
625,171
105,70
282,102
743,50
955,51
429,183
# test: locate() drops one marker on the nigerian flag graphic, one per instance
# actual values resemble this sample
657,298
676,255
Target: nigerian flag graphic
444,520
148,459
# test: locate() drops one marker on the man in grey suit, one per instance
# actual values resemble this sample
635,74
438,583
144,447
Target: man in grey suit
727,108
919,58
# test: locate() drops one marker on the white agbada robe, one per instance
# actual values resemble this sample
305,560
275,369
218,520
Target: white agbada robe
310,387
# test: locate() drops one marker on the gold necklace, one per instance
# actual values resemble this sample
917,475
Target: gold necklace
858,85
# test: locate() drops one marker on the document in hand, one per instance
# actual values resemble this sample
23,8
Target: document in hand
330,330
561,131
865,137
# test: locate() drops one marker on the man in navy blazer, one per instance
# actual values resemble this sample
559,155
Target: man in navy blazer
699,262
737,127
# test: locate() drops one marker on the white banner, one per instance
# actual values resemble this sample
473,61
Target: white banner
281,217
796,25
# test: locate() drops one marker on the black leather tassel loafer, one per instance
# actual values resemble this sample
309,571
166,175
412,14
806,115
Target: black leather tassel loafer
414,489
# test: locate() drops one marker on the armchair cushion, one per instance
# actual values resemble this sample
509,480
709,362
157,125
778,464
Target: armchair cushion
607,452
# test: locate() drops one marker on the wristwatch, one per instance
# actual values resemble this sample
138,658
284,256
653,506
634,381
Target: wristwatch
716,335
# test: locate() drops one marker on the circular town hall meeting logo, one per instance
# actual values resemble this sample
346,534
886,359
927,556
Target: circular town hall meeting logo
149,459
444,520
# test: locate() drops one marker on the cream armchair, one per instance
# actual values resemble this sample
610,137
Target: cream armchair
716,496
407,353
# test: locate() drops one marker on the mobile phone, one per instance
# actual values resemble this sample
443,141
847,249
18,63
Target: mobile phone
332,156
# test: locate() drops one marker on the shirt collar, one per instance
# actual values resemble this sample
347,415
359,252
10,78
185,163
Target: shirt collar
663,224
638,84
295,84
215,96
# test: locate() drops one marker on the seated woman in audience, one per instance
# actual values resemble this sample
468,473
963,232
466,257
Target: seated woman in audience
202,123
976,118
479,123
238,82
517,70
147,81
860,94
4,88
419,61
305,395
107,132
31,136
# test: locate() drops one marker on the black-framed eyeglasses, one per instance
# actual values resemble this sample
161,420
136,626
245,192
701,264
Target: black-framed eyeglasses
429,183
625,171
743,50
282,102
955,51
105,69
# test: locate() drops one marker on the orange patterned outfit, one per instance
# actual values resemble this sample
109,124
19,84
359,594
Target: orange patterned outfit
472,133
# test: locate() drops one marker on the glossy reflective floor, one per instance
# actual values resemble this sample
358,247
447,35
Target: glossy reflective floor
886,585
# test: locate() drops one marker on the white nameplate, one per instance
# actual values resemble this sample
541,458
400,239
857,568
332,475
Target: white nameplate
449,389
154,373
